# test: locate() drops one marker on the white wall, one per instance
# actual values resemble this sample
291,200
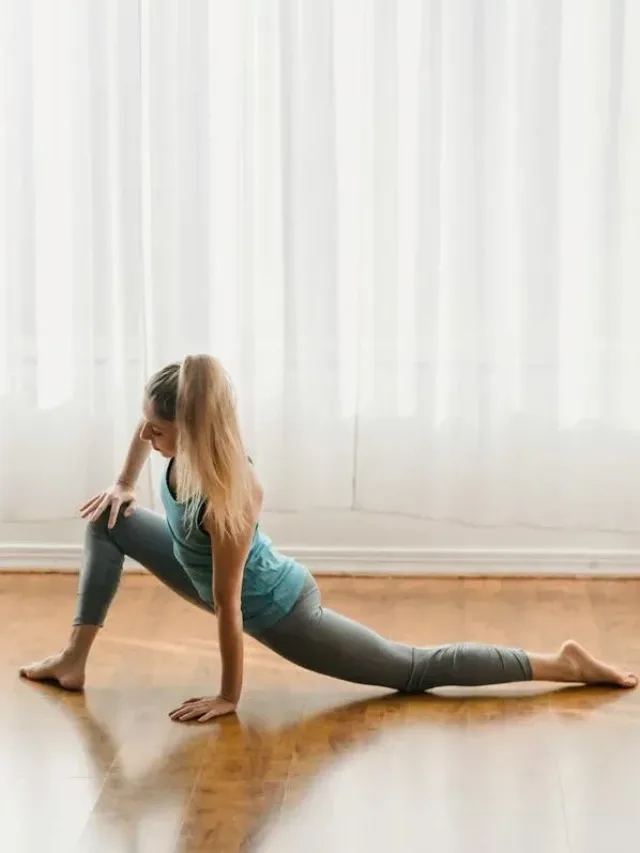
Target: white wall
361,542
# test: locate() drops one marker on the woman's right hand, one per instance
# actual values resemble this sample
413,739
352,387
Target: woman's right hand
114,498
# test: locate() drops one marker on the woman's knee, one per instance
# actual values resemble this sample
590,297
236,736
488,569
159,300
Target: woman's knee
101,527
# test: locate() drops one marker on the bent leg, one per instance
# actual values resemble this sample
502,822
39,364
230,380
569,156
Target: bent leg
144,537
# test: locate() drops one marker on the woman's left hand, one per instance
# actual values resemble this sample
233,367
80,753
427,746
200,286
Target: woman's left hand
203,709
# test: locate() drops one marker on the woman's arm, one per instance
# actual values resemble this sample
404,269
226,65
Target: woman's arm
137,455
229,558
122,493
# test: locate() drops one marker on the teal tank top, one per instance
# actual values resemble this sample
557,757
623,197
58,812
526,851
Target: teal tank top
271,583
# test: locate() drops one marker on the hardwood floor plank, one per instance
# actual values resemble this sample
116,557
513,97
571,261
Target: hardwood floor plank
309,761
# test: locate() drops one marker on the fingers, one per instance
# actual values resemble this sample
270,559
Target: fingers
99,508
94,508
87,508
131,506
186,703
185,716
183,707
90,512
209,716
189,712
116,503
197,709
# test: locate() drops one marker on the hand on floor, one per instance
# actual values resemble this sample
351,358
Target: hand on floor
203,709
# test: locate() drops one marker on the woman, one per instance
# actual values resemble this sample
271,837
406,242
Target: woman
212,499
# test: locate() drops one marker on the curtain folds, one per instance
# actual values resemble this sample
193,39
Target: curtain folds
410,231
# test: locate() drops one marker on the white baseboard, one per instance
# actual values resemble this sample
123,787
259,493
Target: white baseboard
470,562
473,562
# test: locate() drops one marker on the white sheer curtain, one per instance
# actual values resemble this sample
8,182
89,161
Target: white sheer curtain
409,229
71,266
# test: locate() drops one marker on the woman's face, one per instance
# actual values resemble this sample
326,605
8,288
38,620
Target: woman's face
162,434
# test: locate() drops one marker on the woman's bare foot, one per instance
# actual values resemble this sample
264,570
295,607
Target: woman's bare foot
575,665
62,669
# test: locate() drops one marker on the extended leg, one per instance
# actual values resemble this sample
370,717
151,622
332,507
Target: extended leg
324,641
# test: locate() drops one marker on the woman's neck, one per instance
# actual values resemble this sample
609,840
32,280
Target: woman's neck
172,478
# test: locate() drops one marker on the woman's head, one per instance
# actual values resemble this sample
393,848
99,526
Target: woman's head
159,410
190,414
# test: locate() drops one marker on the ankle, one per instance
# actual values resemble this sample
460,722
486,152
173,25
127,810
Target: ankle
549,667
80,642
71,654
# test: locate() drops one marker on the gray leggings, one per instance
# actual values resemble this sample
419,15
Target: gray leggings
310,635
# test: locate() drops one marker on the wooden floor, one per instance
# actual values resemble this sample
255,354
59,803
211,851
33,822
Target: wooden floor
310,763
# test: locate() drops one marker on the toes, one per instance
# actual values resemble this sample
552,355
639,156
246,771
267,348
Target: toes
33,674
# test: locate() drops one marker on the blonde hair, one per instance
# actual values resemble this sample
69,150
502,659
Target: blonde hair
211,461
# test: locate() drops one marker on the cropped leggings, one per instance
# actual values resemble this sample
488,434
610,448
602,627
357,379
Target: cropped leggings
310,635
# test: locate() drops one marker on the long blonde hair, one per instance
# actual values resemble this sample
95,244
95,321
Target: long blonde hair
211,461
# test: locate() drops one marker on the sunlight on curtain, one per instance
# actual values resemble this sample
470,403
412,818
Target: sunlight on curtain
70,251
409,230
225,112
407,51
53,107
4,206
625,349
353,122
